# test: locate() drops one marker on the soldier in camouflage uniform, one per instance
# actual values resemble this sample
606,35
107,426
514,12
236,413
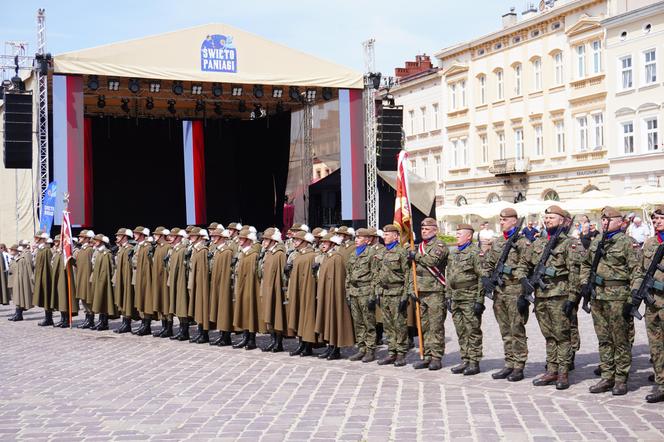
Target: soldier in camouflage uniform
616,272
464,271
377,247
431,260
511,317
578,252
655,312
361,296
555,303
392,278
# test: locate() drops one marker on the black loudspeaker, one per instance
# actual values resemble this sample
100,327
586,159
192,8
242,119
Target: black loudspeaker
388,136
17,121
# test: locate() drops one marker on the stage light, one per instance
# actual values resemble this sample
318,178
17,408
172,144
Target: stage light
280,107
237,91
101,101
294,93
375,79
134,86
43,61
258,91
113,85
258,112
217,109
196,89
171,106
125,105
149,103
327,94
216,90
155,86
242,106
200,105
177,88
277,92
311,95
93,82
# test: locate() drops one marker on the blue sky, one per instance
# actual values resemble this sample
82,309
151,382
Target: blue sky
333,30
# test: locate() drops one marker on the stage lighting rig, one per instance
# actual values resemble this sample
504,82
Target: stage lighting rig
171,106
217,109
125,105
101,101
216,90
155,86
43,61
277,92
294,93
177,88
258,91
200,105
149,103
134,86
258,112
93,82
375,79
311,95
237,91
327,93
242,106
196,89
113,84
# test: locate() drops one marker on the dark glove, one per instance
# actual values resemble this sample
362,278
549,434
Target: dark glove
478,308
627,311
315,266
489,286
411,255
568,309
371,305
522,305
526,286
403,306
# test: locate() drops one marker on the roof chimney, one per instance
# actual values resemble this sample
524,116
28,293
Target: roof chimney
530,11
509,19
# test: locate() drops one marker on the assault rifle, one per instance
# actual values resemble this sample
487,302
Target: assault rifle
649,283
588,289
541,270
496,279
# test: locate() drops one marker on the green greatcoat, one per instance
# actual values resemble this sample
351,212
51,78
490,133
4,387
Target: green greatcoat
42,294
83,262
23,280
4,281
159,282
302,296
142,278
178,294
271,290
221,288
102,284
199,286
246,309
60,284
122,279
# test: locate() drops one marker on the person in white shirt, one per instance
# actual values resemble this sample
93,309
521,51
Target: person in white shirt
638,230
485,236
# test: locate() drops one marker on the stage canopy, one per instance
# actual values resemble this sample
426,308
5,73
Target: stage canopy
208,53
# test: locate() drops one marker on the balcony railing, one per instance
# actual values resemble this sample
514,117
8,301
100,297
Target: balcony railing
510,166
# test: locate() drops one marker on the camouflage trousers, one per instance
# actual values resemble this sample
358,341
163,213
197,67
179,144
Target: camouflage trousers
613,335
655,329
556,329
512,326
364,323
574,332
394,324
433,324
469,330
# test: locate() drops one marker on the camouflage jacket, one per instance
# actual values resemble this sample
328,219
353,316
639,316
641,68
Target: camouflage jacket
646,257
561,274
463,273
360,272
392,272
617,269
492,256
435,256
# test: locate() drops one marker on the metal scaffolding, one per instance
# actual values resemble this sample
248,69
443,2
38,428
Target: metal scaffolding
370,134
308,159
42,119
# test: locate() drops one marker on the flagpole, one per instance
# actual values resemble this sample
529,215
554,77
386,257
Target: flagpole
67,266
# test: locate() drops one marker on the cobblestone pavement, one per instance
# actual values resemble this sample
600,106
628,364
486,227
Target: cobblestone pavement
83,385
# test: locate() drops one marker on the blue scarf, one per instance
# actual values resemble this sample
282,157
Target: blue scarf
660,236
360,249
463,247
614,233
391,245
509,233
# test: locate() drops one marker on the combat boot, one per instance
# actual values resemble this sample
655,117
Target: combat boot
243,341
458,369
379,334
103,322
602,386
62,319
158,334
89,321
548,378
225,339
278,343
146,328
619,389
562,382
168,332
388,360
125,327
334,354
357,356
307,350
199,332
472,369
97,324
299,349
11,318
369,356
251,342
326,353
19,315
401,360
64,322
419,365
597,371
655,396
183,334
516,375
203,337
273,341
503,374
435,364
48,319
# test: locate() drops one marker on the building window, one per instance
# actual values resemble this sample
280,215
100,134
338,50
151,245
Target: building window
628,137
550,195
461,201
650,66
597,57
501,145
560,137
435,116
425,167
537,74
517,80
439,168
539,142
423,111
453,102
484,142
463,94
558,67
580,61
455,154
493,198
482,81
499,84
464,151
518,143
411,117
598,131
651,134
626,71
582,126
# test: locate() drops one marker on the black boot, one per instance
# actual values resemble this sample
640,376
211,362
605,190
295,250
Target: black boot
125,327
146,328
299,348
278,343
169,330
379,334
243,341
326,353
13,317
251,342
218,340
203,337
89,321
225,339
64,320
307,350
273,342
183,332
48,319
58,324
139,329
164,324
334,354
103,322
199,332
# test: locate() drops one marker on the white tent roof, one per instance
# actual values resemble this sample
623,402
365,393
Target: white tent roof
422,191
213,52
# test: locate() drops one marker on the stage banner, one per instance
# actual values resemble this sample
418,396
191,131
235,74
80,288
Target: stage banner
351,140
72,147
194,171
47,207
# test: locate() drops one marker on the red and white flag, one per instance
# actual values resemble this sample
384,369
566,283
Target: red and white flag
65,237
402,210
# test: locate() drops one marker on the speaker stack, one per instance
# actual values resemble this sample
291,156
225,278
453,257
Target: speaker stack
388,136
17,143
